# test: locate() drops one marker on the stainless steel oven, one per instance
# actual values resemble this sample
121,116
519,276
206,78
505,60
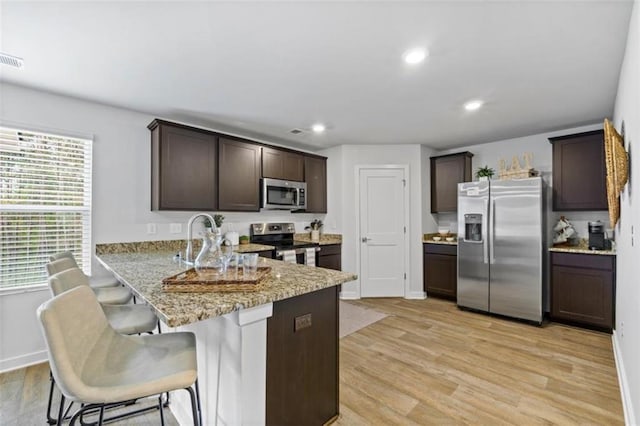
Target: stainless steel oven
280,235
283,194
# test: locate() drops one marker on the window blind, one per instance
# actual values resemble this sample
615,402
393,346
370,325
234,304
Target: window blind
45,203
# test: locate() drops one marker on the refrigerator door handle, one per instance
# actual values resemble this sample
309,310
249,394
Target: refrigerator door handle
485,252
492,230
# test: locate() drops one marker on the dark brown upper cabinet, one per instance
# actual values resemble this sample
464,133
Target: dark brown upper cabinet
282,164
447,171
315,174
183,167
579,175
239,175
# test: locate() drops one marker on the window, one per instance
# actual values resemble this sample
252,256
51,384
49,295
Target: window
45,203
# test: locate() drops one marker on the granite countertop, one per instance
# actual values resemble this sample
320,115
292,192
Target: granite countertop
325,239
250,248
582,248
428,238
169,245
144,272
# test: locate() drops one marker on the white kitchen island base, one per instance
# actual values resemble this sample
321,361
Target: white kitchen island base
232,369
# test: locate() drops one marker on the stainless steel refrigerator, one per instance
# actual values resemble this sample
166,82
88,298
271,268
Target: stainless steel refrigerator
500,247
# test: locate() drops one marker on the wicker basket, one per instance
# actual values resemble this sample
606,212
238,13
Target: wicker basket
617,163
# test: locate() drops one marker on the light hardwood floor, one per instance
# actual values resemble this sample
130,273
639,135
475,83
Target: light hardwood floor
430,363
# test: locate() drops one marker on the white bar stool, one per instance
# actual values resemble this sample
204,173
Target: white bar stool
94,365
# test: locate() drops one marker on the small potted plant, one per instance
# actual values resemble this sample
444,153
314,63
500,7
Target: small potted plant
217,218
485,173
244,239
315,227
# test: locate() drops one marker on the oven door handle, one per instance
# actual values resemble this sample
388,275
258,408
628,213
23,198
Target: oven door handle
298,251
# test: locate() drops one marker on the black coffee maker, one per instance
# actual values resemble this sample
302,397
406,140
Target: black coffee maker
596,235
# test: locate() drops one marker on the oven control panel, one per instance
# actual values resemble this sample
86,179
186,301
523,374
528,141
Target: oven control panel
272,228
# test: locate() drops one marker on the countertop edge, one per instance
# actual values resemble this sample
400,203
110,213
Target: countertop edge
582,251
216,309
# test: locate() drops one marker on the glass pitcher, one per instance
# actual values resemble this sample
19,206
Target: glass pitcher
211,257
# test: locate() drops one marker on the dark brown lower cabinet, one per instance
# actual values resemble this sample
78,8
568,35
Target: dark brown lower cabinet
330,257
583,289
441,270
302,359
266,253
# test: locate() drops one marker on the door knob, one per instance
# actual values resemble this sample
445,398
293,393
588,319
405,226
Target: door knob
365,239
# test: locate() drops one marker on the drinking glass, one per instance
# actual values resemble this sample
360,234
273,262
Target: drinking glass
250,265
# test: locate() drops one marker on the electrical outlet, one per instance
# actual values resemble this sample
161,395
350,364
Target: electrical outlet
151,228
175,228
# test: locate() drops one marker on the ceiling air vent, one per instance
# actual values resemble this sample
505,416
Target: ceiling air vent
295,131
12,61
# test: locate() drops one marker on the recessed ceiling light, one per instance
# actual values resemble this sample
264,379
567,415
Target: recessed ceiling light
12,61
318,128
473,105
415,56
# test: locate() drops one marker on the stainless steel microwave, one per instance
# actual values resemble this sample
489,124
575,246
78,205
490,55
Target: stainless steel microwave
283,194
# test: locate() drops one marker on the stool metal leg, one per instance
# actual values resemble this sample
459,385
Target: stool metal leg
199,404
61,410
194,408
161,410
50,419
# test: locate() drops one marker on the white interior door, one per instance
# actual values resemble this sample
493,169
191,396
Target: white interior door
382,232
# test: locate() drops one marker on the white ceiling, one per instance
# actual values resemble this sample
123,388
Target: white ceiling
264,68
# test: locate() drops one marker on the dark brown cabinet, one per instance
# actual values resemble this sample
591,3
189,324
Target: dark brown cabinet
330,257
583,289
239,175
266,253
282,164
302,360
198,169
183,168
315,175
440,270
447,171
579,175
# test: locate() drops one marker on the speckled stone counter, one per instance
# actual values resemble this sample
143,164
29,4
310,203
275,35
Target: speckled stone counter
325,239
583,248
144,272
252,248
428,238
169,245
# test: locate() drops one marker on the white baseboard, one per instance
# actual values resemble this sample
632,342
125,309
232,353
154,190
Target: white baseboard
349,295
627,404
22,361
416,295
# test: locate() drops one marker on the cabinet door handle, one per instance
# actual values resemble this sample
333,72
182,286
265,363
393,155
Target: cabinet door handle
365,239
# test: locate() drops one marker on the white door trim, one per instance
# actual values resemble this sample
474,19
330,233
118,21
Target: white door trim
407,222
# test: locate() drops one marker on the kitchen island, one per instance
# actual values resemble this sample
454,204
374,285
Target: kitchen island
297,306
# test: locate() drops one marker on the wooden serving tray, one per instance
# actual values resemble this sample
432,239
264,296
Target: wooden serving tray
191,281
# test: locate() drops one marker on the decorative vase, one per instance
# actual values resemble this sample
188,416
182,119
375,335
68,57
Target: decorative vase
483,178
315,235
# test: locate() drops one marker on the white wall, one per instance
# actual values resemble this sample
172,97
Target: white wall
491,153
626,337
121,193
347,157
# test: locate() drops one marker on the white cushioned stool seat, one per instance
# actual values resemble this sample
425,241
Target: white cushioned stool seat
74,277
130,319
63,263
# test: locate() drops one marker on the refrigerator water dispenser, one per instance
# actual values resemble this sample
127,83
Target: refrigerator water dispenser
473,228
